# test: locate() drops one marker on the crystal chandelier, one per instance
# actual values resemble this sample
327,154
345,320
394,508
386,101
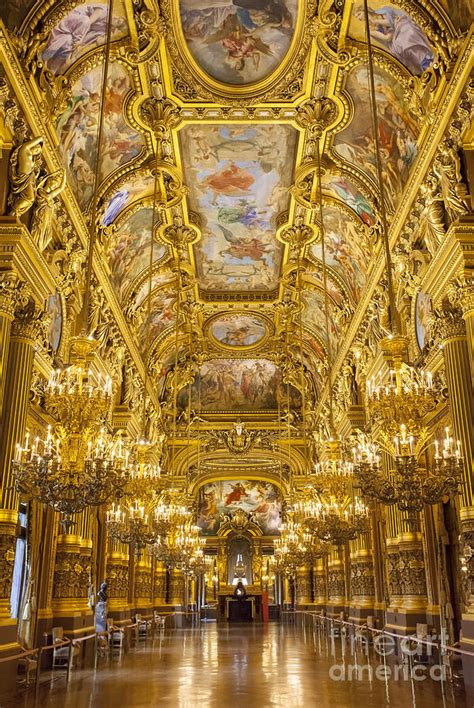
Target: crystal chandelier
330,509
145,477
409,484
131,526
78,464
290,549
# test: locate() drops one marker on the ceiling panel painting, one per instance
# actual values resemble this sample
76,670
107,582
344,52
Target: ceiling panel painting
335,290
162,316
238,330
260,499
340,187
314,317
129,252
239,385
238,178
77,130
398,131
238,41
396,31
82,29
130,190
344,250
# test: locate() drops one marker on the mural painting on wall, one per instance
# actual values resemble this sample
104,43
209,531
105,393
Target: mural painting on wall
260,499
77,130
422,319
240,385
129,250
238,179
79,31
238,330
394,30
397,131
342,188
345,251
238,41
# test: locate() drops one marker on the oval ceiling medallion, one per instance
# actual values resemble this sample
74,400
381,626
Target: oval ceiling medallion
240,330
239,42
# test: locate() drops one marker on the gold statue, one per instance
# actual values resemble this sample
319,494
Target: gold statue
49,187
23,172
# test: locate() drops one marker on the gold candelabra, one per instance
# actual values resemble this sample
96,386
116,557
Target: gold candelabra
78,464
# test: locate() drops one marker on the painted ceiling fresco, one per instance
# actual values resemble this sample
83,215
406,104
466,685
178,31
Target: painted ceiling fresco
238,142
238,330
397,131
82,29
239,385
77,130
238,178
345,250
344,189
162,317
129,250
394,30
314,318
238,41
260,499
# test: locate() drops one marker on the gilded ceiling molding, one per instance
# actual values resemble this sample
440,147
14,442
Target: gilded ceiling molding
36,119
191,84
457,96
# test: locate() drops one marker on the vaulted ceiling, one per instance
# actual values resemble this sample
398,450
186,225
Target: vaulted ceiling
220,92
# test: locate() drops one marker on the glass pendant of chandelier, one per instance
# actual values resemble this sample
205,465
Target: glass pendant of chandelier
399,405
78,464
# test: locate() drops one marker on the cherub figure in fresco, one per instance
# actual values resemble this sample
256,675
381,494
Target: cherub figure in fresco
396,31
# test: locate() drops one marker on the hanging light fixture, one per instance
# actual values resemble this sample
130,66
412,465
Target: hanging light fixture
79,463
328,505
399,404
290,549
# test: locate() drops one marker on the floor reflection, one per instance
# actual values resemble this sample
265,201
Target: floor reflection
239,666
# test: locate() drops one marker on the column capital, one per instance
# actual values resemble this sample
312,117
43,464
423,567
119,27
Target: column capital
466,299
29,321
448,322
10,292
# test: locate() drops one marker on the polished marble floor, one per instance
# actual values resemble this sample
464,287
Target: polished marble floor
237,666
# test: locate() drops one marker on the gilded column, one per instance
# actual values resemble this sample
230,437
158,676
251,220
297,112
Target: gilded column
320,591
160,584
336,581
467,305
71,582
143,590
176,594
362,578
451,330
9,291
117,576
24,331
303,586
